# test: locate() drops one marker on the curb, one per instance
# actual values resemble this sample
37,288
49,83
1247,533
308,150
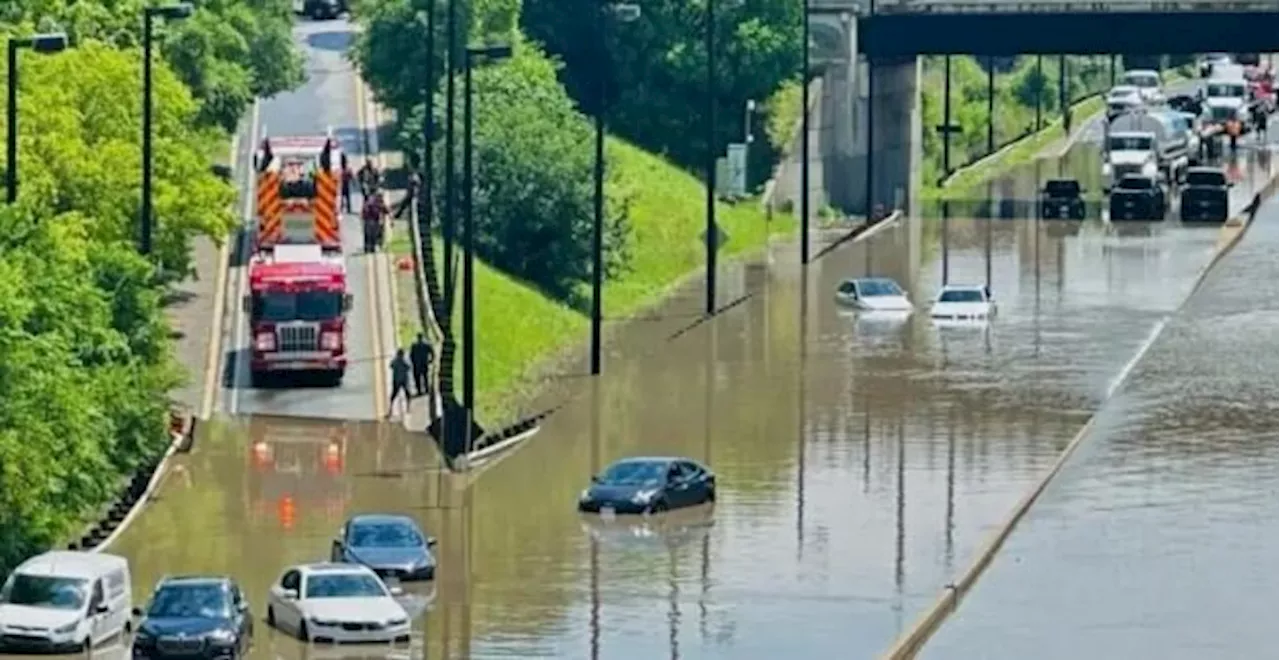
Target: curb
909,644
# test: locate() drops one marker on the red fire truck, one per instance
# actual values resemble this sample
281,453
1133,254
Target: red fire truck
297,299
297,470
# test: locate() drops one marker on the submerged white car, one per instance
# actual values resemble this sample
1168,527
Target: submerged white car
336,603
873,294
963,302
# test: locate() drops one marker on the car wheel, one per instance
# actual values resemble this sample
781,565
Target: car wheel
658,507
271,617
303,636
86,647
711,495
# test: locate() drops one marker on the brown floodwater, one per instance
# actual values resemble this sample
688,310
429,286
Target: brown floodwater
861,458
1158,539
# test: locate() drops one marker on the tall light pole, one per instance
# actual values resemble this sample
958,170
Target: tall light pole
804,137
490,53
450,191
711,234
176,11
426,205
40,43
605,15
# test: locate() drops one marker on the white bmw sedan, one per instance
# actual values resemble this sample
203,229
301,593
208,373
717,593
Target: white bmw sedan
336,603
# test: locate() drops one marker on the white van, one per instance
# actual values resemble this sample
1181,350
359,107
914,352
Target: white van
65,600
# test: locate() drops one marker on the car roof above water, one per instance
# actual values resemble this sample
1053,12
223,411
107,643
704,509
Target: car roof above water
72,564
381,519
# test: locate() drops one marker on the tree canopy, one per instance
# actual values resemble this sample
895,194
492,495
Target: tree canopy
85,351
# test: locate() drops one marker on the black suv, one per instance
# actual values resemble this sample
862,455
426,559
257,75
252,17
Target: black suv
1138,197
1061,199
194,617
323,9
1205,197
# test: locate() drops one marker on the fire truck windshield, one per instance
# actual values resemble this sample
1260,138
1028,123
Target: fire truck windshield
298,180
297,306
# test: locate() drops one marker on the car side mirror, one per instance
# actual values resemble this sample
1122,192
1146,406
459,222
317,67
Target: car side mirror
101,608
243,607
289,594
347,302
432,543
137,612
595,478
244,304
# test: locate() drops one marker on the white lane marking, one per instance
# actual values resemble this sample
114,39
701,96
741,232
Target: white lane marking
238,320
1147,343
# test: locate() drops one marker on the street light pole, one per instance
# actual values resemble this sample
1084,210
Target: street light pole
426,205
149,14
41,43
491,53
450,189
804,138
624,13
712,237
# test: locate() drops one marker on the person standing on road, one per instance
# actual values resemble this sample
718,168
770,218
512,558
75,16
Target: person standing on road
399,381
421,355
347,176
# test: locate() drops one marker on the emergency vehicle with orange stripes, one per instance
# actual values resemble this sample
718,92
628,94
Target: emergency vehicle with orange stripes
296,472
297,300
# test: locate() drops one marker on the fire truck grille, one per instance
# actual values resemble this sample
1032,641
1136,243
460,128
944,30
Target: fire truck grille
1124,170
298,338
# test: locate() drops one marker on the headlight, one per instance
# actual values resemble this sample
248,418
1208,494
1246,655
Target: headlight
1149,169
584,495
1106,169
69,628
393,623
224,636
643,496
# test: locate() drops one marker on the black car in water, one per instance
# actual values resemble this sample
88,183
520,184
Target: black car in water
1061,199
1138,197
1204,199
648,485
194,617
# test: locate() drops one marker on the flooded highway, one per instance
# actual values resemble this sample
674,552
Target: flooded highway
860,458
328,103
1159,537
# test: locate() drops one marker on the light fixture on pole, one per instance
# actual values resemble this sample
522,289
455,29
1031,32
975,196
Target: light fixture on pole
487,53
171,12
40,43
605,14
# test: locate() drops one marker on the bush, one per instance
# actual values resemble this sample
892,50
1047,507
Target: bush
85,362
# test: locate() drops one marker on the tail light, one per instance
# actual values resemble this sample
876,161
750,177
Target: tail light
333,459
265,341
261,455
330,341
285,511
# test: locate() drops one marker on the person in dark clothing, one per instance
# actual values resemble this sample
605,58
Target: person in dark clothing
370,179
399,381
409,195
421,355
347,176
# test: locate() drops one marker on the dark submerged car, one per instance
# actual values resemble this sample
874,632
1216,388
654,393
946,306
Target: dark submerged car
1205,197
391,545
1061,199
1138,197
194,617
648,485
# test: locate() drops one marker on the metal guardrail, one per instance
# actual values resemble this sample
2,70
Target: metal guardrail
861,7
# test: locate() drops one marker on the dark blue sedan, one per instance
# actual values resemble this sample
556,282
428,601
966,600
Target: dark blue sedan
194,617
648,485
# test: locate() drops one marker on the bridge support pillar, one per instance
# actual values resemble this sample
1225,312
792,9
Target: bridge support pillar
895,141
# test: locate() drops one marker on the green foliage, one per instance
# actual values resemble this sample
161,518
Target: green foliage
1016,90
227,52
658,66
85,352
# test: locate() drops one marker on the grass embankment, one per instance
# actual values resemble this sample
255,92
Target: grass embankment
519,329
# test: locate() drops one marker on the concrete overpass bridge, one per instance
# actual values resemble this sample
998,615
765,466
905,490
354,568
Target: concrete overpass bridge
867,55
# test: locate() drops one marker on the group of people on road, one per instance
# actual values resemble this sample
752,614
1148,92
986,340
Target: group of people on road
373,209
417,364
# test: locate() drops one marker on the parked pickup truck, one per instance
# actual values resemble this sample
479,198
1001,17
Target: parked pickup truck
1061,199
1138,197
1205,197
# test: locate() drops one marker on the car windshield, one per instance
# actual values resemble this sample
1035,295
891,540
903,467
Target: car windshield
300,306
344,585
634,473
1135,183
1062,188
385,535
1206,179
961,296
872,288
1224,90
1123,94
42,591
1145,80
204,601
1129,143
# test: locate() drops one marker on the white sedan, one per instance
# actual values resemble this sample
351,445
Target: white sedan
963,302
336,603
873,294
